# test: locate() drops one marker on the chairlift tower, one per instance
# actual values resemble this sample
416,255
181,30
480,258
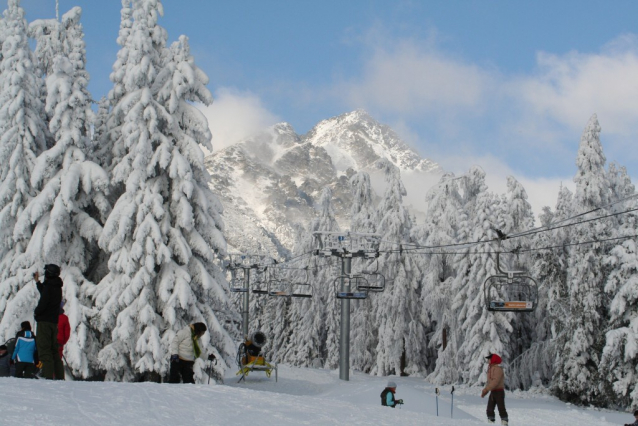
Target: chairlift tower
346,246
240,283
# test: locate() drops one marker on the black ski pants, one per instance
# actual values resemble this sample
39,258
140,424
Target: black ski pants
496,399
48,352
183,370
25,370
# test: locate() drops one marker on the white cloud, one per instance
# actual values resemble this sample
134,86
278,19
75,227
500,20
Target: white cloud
533,120
235,115
571,87
410,79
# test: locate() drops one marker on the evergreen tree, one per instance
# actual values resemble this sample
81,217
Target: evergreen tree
70,207
22,138
441,228
402,340
363,334
620,354
307,344
485,332
191,283
577,374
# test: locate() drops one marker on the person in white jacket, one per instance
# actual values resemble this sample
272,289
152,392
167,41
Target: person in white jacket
184,350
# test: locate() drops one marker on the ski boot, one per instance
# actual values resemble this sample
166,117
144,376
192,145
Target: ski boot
491,420
504,422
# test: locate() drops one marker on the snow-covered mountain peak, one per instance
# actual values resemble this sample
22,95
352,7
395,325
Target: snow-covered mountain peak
356,140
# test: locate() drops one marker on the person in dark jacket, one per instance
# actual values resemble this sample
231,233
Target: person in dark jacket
635,417
64,330
387,396
46,317
5,365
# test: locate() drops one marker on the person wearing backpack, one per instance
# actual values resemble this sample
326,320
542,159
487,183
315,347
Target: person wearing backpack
387,396
46,316
24,354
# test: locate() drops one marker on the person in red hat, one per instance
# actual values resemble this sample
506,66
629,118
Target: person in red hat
496,387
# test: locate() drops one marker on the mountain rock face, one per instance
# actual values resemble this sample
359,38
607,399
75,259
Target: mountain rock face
269,182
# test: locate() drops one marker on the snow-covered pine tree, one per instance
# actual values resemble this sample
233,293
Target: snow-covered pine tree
70,207
309,335
22,139
363,334
577,376
441,228
620,354
331,305
484,332
549,267
191,285
165,233
135,234
517,216
50,38
402,339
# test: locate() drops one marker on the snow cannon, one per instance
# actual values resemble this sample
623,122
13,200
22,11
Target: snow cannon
258,339
249,357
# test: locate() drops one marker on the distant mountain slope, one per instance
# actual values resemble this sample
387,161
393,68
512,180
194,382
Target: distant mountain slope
269,182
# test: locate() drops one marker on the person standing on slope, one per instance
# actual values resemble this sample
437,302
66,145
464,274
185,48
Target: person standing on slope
185,350
64,330
46,317
496,387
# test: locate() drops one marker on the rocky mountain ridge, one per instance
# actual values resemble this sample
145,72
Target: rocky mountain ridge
268,183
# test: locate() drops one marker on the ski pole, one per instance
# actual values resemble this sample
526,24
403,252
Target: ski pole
452,405
437,402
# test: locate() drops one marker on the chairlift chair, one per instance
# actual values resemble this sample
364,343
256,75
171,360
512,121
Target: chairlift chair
260,285
356,282
237,280
373,282
279,288
510,291
302,288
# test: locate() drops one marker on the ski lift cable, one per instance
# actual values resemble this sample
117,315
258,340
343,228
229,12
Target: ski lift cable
503,237
519,250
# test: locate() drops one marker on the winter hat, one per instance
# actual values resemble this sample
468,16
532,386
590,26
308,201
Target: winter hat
391,384
494,359
51,270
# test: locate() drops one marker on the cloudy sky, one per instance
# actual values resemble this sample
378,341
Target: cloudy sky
507,85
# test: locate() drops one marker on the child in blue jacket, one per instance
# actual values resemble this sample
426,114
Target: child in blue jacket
24,354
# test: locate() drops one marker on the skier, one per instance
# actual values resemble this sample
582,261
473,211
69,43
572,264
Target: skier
24,354
387,396
635,417
185,349
46,316
64,330
496,387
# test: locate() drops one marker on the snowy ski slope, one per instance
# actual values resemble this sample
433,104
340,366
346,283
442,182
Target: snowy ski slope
301,397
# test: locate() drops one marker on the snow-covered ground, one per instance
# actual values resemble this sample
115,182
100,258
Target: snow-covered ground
300,397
